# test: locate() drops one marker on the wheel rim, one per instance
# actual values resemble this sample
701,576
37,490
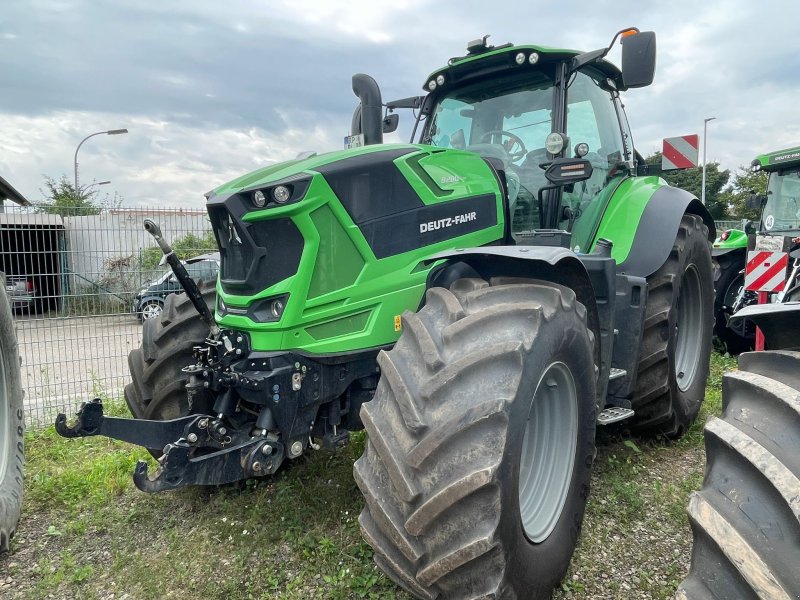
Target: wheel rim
5,418
548,452
689,328
151,311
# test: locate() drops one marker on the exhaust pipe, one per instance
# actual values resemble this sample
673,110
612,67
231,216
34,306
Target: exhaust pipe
368,118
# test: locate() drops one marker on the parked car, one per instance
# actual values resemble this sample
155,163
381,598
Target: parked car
149,302
21,292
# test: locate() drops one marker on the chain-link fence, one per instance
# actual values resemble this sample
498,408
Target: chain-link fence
81,281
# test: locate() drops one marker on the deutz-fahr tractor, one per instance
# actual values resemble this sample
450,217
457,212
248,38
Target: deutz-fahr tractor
478,300
777,229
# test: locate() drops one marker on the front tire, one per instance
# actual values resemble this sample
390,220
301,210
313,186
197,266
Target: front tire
158,387
12,426
481,441
746,517
675,352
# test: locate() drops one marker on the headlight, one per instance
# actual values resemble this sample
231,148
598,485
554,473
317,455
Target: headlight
268,310
286,191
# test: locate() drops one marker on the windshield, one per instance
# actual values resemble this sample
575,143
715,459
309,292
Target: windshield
782,210
509,119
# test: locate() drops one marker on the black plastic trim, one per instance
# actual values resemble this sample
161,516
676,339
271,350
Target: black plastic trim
655,235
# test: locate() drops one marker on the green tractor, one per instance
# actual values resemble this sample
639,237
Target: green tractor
729,253
780,223
479,300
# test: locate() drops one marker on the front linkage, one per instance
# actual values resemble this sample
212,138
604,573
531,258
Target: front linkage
267,406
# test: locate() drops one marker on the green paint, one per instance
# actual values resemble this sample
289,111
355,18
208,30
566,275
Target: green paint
779,159
477,62
623,213
736,239
342,297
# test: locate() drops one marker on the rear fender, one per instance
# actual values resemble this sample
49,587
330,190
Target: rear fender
654,211
554,264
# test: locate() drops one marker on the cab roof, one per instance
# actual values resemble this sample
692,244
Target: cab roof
500,58
780,159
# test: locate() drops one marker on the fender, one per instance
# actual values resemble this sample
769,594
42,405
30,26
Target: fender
547,263
778,322
659,209
717,252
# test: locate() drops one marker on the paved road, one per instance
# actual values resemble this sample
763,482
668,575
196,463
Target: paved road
68,360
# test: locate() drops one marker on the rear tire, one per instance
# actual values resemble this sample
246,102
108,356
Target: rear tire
460,500
12,426
157,390
746,517
741,338
676,345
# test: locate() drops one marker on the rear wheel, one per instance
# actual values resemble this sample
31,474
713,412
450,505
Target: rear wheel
746,517
157,390
676,344
480,442
12,426
741,337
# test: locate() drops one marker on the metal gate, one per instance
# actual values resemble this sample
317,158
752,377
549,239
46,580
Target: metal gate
75,278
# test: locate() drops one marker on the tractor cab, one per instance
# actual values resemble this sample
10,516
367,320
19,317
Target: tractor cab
526,108
781,207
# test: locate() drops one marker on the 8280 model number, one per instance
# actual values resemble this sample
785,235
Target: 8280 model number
447,222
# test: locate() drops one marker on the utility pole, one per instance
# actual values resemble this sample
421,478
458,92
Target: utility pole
705,134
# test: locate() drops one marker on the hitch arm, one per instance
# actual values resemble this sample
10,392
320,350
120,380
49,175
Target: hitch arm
150,434
253,457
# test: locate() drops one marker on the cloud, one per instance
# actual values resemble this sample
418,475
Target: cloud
210,90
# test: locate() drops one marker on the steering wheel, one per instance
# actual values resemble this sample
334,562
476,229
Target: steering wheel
514,140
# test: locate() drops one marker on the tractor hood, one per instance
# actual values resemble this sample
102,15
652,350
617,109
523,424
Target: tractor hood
293,168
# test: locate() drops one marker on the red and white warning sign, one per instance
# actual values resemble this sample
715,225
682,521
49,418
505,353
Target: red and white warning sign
765,271
680,152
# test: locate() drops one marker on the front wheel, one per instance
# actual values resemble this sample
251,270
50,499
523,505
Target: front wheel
480,442
675,351
12,426
741,337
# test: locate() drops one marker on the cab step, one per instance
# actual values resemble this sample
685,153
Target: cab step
614,414
616,373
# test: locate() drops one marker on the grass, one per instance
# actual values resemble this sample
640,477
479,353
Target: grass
88,533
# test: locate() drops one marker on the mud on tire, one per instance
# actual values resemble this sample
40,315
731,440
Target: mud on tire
12,426
157,387
486,384
676,343
746,517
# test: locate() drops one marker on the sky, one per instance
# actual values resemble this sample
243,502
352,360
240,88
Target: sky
211,90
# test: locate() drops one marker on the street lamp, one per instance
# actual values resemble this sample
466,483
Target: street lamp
98,183
703,185
107,132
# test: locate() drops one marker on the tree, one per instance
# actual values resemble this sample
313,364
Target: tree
745,184
61,198
691,180
186,246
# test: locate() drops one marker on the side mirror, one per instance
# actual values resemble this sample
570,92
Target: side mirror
390,122
755,201
563,171
638,59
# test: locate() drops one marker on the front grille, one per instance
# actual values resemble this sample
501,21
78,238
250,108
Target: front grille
254,256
